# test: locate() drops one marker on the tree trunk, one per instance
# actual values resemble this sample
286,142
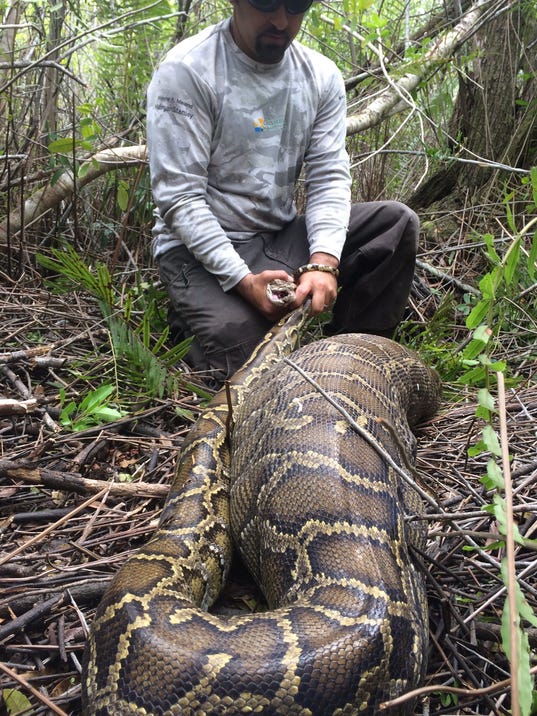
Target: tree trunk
49,114
494,123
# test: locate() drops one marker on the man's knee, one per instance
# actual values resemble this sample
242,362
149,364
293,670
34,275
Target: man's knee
382,229
397,214
402,229
407,217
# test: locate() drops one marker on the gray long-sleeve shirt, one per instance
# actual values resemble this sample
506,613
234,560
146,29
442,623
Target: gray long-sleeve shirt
227,138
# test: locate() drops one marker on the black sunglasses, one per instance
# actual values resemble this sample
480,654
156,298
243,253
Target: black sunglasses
293,7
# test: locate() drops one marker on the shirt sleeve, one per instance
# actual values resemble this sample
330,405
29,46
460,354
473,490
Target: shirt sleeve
180,117
328,181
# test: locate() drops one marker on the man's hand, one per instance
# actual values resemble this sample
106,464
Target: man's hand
253,288
320,285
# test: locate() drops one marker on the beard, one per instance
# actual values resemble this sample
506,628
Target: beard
269,50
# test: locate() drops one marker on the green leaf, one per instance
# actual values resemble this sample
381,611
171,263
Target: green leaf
86,108
508,623
485,399
491,251
83,170
509,212
57,174
487,284
478,313
62,146
67,145
67,411
500,513
15,701
491,440
122,198
470,353
475,376
108,415
87,128
532,258
482,333
523,608
93,410
185,413
86,166
69,265
96,398
495,475
447,699
512,258
175,354
481,337
477,449
375,21
496,366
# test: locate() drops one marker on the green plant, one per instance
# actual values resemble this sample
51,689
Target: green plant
140,361
516,611
512,273
95,408
504,304
508,276
142,365
72,273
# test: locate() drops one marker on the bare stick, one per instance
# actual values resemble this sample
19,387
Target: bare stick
53,526
514,619
76,483
471,693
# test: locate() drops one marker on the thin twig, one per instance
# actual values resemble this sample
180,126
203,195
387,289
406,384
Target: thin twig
33,540
471,693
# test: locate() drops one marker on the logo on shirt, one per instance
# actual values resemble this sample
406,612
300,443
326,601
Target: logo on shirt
265,125
175,105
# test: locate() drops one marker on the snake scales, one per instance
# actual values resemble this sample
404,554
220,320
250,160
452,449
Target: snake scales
318,517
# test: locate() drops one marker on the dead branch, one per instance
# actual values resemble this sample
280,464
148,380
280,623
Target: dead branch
86,591
25,406
397,96
73,482
51,195
27,354
9,406
38,611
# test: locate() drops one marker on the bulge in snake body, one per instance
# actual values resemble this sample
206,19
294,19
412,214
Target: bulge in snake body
319,519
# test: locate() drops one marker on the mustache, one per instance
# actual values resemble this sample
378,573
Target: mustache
274,32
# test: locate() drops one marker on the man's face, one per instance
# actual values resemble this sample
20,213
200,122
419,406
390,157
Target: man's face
263,36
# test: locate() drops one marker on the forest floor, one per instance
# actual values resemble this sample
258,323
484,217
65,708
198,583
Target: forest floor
75,505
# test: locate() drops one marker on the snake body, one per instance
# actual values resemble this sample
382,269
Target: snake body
318,516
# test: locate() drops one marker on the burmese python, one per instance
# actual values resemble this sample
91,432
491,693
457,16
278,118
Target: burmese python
318,516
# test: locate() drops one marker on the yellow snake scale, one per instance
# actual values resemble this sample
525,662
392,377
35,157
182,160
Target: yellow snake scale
299,484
